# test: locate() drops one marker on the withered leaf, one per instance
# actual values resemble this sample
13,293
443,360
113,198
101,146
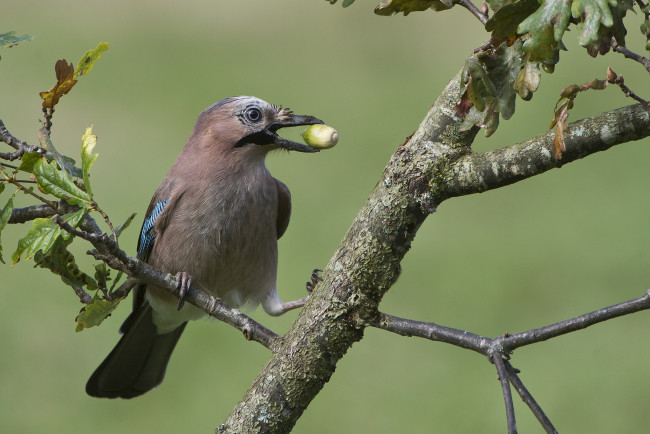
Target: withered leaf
65,82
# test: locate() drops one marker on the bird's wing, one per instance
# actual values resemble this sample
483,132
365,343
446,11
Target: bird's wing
284,207
155,221
148,233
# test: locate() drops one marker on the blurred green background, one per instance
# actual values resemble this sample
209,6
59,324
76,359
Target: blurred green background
543,250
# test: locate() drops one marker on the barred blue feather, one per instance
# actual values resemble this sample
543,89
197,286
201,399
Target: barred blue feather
147,235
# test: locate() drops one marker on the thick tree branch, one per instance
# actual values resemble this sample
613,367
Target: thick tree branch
367,261
479,172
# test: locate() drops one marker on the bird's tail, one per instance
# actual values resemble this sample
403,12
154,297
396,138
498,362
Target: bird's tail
137,363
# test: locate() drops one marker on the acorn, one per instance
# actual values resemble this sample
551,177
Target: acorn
320,136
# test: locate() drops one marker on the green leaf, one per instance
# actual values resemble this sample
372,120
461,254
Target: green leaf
88,60
545,28
62,263
495,5
43,235
88,142
527,81
4,216
487,89
95,313
28,160
347,3
601,21
58,183
506,19
10,39
392,7
645,26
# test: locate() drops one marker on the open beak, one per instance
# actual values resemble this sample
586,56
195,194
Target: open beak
292,121
269,135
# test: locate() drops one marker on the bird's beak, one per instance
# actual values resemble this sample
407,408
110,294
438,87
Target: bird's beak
269,135
292,121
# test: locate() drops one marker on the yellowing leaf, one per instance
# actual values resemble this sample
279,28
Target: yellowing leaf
65,82
88,60
88,142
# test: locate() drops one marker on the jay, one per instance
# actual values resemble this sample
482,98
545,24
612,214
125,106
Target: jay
214,221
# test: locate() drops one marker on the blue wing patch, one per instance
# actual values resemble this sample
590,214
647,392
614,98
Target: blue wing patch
147,235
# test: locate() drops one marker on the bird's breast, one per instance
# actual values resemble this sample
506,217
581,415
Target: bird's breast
224,234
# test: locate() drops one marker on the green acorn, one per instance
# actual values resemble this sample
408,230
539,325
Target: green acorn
320,136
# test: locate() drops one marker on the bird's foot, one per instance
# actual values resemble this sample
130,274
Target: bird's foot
183,282
315,278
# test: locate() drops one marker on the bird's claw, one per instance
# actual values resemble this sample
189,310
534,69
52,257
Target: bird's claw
315,278
183,282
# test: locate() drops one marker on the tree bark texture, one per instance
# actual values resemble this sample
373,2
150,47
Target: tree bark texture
434,164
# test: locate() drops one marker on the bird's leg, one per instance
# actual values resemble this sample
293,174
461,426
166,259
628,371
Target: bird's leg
183,282
274,306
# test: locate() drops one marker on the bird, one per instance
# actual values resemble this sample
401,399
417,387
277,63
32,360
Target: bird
214,222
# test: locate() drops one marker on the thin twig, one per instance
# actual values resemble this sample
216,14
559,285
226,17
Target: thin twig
497,359
123,290
528,399
510,342
84,297
20,146
107,220
12,180
513,341
467,4
618,80
631,55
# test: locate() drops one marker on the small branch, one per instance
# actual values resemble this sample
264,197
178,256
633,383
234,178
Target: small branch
616,79
498,361
23,215
511,342
631,55
107,220
467,4
84,297
109,252
479,172
123,290
507,343
19,186
431,331
20,146
528,399
47,119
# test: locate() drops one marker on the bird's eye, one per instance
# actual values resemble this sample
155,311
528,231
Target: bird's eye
253,114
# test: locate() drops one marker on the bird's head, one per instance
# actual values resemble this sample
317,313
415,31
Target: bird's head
245,121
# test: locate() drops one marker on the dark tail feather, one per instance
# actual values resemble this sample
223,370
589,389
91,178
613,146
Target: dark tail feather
137,363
